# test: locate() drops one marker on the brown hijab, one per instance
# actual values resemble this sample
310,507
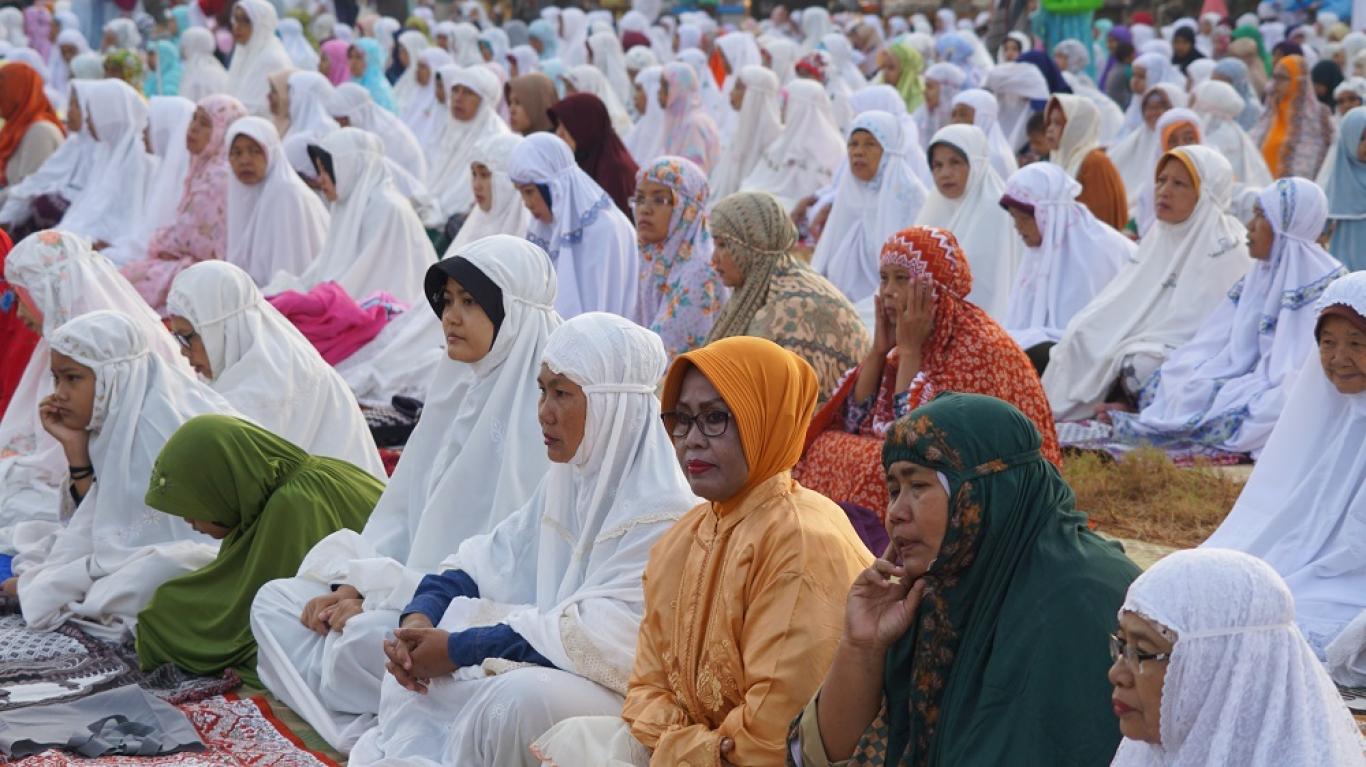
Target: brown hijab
536,93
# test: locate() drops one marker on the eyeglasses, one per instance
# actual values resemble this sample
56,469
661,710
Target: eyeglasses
1132,657
184,339
712,423
654,201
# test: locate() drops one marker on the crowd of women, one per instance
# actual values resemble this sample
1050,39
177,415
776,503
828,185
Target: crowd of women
746,356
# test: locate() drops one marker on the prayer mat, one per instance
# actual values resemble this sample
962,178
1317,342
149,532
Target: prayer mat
42,667
237,732
1092,435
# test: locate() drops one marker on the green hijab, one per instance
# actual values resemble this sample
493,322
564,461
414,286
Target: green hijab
278,500
1006,661
912,67
1254,34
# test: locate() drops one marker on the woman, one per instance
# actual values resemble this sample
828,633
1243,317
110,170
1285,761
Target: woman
529,97
265,368
333,61
775,295
980,108
738,615
169,119
1347,192
1194,253
493,297
1184,52
901,67
1225,389
591,243
680,294
689,132
32,131
375,241
472,96
1296,512
267,502
1234,72
1020,88
757,97
943,83
581,121
966,202
203,74
1001,599
258,54
308,94
275,222
300,50
878,196
1175,128
803,159
408,55
1069,256
365,60
560,577
422,104
1134,154
1296,129
199,230
586,79
351,106
1221,108
924,329
113,405
1074,134
1191,628
163,70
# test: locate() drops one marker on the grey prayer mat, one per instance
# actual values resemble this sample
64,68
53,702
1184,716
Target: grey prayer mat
125,721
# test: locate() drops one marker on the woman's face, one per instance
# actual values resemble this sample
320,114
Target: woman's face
1054,127
278,100
405,61
1010,50
69,52
535,203
568,138
654,211
737,95
73,391
1026,226
212,529
562,411
663,99
962,114
1180,46
464,103
890,66
248,160
191,346
1174,193
1139,82
469,331
355,61
1342,352
1154,106
715,466
423,74
241,26
326,184
1280,82
918,515
74,116
481,180
1347,101
723,263
518,119
950,169
535,44
1184,135
1260,235
643,101
865,155
1061,60
931,94
1137,696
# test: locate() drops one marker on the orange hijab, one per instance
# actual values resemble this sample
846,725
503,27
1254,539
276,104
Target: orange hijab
22,103
771,393
1274,145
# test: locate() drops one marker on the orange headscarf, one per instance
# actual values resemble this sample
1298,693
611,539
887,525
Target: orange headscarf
1273,148
22,103
771,393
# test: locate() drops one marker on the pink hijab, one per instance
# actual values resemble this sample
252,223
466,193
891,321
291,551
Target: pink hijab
334,53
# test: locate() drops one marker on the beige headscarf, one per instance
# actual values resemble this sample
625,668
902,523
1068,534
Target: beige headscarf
759,235
536,93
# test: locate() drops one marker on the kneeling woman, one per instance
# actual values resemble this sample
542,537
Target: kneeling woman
267,502
1002,603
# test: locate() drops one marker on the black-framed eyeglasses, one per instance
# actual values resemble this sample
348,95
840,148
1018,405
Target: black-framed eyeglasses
184,339
1132,657
712,423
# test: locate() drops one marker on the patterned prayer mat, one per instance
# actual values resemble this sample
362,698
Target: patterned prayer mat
237,732
1091,435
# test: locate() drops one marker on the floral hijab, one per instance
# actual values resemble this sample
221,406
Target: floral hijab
200,227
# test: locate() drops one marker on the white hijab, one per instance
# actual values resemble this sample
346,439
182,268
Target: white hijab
646,139
758,125
1144,210
865,214
262,56
1015,84
1159,299
586,78
611,61
1158,70
353,101
298,47
950,78
1080,135
506,213
590,241
267,370
1220,105
803,159
1242,687
450,173
65,172
1077,257
407,88
976,218
1134,154
309,93
984,116
102,567
420,110
168,121
278,224
476,455
567,565
203,75
375,241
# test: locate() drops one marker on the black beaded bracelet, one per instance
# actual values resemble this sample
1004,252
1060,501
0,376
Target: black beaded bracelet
81,472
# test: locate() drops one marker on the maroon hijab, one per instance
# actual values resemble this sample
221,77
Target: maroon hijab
597,149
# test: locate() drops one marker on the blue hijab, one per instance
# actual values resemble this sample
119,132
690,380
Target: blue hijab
1235,71
165,79
545,33
1049,68
374,80
1347,193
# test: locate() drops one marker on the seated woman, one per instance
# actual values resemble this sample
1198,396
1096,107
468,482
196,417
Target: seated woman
1346,190
680,293
257,54
265,368
366,61
375,241
928,339
1002,599
588,79
320,648
805,156
1195,252
557,584
979,107
1074,134
590,241
39,200
275,222
1296,129
1069,256
740,614
32,131
1220,107
582,121
1175,128
308,93
966,200
757,99
529,96
1133,154
199,230
877,197
688,130
775,295
267,502
351,106
1208,668
1301,509
473,95
113,406
1225,388
422,106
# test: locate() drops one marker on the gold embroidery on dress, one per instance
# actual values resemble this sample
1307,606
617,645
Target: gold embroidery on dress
717,688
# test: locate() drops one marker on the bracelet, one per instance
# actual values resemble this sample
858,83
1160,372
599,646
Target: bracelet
81,472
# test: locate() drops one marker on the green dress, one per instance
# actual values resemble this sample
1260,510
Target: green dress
278,501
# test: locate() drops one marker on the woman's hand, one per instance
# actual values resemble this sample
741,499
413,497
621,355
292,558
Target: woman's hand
400,665
799,212
879,610
884,329
916,318
340,612
10,587
76,442
312,614
427,649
